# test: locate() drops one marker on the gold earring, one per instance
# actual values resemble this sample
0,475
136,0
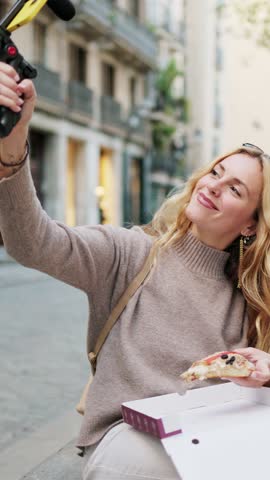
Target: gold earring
241,253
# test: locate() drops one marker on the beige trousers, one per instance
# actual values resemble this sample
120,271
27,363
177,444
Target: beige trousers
126,454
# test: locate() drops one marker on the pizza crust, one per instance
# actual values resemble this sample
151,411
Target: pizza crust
220,364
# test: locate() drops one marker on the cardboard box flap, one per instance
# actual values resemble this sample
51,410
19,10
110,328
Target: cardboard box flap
160,406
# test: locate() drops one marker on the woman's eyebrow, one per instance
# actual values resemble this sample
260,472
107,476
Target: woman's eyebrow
240,182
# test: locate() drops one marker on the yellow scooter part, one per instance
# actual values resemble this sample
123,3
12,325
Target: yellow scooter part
26,14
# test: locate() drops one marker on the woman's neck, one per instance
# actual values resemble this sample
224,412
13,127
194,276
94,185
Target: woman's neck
206,237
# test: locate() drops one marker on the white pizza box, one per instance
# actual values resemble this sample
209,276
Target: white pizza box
219,432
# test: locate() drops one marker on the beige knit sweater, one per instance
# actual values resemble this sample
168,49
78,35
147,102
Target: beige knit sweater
186,310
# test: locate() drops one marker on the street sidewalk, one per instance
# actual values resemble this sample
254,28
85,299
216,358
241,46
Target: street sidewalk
21,457
4,257
43,366
12,274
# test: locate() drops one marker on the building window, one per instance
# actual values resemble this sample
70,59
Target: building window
216,147
132,91
78,63
40,40
167,19
218,116
72,168
149,80
106,189
134,8
219,59
182,32
108,79
38,142
136,191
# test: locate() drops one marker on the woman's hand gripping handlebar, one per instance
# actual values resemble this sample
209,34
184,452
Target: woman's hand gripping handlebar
12,147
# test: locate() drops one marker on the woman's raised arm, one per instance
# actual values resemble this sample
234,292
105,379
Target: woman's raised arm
82,256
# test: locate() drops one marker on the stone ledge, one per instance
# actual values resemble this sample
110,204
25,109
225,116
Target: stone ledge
4,257
50,443
65,464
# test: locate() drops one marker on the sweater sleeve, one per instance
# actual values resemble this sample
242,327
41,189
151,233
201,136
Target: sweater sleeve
78,256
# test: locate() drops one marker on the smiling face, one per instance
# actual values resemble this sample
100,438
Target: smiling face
224,201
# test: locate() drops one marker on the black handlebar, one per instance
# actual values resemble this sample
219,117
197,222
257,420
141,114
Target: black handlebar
10,54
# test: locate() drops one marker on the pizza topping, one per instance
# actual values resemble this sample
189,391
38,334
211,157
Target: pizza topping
230,361
224,356
212,358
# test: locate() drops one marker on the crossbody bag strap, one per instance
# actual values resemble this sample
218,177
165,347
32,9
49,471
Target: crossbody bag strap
123,301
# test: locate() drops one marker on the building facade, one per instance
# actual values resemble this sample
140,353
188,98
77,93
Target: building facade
88,156
167,19
91,148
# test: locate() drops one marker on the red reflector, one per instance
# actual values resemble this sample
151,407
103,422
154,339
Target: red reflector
12,51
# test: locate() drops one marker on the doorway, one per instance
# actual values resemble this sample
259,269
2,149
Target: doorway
106,188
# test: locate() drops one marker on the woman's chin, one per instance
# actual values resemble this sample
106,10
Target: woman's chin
195,215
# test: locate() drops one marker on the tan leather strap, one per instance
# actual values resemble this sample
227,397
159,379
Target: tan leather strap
123,301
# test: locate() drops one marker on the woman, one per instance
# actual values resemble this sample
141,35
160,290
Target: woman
189,306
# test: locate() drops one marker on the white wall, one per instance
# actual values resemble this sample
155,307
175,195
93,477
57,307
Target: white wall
246,91
200,78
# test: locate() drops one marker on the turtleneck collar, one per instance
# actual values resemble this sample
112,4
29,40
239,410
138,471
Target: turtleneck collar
200,258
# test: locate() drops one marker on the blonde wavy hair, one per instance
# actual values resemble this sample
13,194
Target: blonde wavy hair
170,224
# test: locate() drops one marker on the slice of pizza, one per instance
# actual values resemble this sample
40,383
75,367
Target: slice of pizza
220,364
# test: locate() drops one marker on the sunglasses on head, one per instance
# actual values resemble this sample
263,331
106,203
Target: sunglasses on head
254,147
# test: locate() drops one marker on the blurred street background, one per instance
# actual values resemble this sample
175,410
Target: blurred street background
43,366
133,95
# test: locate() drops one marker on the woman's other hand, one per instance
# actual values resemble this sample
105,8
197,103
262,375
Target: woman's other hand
261,375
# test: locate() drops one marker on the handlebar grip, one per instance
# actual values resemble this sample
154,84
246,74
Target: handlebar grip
8,120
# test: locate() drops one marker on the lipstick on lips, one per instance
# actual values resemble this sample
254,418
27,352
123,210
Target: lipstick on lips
206,202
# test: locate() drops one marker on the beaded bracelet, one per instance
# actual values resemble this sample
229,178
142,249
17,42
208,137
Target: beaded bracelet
10,165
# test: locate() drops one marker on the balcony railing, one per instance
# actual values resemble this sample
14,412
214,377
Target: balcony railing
110,110
48,85
172,163
136,34
142,127
139,128
122,28
100,10
80,98
74,97
163,162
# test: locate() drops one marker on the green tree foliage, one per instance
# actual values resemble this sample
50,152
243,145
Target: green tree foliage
174,108
164,84
255,19
162,134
